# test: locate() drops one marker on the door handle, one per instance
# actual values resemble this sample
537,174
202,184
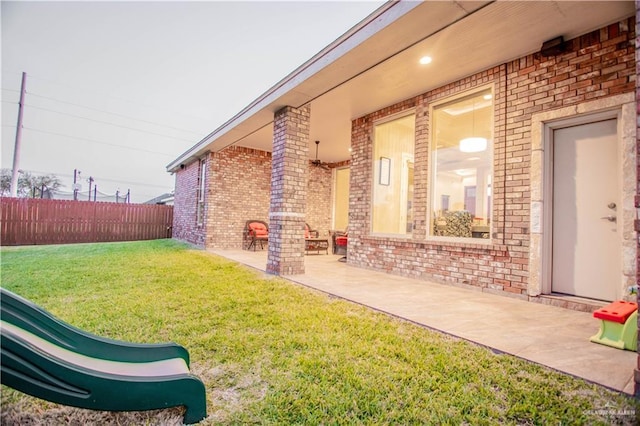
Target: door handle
609,218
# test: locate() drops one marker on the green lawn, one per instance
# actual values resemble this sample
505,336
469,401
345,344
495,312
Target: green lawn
272,352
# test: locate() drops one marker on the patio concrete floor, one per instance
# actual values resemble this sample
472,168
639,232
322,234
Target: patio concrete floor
547,335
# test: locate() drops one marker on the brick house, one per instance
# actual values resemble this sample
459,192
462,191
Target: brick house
506,162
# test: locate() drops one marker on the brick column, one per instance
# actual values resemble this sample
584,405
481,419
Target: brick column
290,158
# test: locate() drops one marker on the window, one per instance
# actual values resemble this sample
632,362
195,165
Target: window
341,199
461,166
201,192
393,158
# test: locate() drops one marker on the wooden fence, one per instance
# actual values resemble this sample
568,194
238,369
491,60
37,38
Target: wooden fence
28,221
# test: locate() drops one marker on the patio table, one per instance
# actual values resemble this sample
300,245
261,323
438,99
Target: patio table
317,245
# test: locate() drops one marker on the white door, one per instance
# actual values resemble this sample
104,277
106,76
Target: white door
586,245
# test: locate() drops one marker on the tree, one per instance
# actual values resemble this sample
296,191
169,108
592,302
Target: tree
29,185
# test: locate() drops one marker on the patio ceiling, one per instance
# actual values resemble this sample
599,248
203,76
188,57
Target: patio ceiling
375,64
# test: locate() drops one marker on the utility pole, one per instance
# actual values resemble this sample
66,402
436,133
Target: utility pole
76,186
90,182
16,150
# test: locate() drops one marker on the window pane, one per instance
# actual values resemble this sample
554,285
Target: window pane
461,158
201,192
341,199
393,176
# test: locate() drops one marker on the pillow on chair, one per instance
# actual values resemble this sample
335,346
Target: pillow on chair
258,230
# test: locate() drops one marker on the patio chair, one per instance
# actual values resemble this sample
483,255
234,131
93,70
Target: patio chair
340,240
312,242
47,358
255,231
310,233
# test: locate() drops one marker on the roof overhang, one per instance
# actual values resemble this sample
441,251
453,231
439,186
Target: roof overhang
375,64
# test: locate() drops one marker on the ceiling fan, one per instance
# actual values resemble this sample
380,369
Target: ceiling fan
317,162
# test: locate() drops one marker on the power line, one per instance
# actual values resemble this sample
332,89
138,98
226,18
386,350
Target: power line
98,142
108,123
96,178
83,90
101,179
112,113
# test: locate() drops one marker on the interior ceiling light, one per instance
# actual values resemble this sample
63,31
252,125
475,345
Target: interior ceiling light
464,172
425,60
473,143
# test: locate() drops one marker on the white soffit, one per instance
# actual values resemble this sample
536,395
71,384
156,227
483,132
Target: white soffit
376,63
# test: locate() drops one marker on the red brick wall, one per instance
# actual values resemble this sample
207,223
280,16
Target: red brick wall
238,191
238,188
595,65
319,199
185,204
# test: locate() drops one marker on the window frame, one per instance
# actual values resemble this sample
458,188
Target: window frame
432,168
375,164
200,191
334,197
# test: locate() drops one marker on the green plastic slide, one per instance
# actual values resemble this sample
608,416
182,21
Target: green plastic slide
47,358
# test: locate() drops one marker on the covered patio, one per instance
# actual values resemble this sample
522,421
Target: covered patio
552,336
541,81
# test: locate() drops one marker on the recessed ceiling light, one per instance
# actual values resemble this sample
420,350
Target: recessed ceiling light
487,96
425,60
464,172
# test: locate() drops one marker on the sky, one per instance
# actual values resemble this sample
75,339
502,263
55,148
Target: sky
117,90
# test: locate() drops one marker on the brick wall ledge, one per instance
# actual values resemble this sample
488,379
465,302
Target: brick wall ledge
447,244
